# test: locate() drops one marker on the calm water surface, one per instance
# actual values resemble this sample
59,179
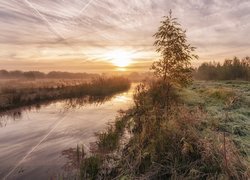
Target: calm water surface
32,141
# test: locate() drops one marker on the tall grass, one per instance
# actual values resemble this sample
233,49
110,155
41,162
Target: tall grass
169,141
16,97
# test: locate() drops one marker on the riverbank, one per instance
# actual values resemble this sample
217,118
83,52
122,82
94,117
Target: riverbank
14,96
193,138
43,135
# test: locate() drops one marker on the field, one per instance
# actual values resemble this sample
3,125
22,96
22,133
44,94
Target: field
227,104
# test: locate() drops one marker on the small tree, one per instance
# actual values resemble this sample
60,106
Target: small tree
174,67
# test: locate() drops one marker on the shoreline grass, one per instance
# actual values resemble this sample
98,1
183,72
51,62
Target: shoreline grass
11,98
184,141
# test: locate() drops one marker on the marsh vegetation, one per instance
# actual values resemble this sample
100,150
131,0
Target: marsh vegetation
14,94
202,135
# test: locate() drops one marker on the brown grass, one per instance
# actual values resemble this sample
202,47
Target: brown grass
28,93
174,142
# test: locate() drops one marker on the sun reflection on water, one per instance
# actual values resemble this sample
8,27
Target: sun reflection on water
121,98
121,69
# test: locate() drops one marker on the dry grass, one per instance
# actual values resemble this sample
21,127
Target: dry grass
174,142
15,95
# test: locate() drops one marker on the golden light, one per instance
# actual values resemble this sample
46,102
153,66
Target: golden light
120,58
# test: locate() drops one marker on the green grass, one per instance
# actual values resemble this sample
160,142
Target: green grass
189,137
89,164
108,140
184,141
213,96
90,167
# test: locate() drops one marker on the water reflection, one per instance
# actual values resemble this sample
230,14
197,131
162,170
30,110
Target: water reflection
121,98
10,116
81,102
73,103
39,134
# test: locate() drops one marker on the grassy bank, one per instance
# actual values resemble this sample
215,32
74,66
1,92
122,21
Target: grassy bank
196,137
14,96
214,97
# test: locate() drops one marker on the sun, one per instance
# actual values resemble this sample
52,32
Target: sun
120,58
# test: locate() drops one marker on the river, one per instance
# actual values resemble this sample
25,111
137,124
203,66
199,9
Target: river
32,140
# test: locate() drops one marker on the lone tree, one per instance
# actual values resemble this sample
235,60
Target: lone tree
174,67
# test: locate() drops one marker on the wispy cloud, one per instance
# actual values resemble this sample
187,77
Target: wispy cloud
44,29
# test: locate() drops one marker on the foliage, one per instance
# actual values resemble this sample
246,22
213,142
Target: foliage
177,144
108,140
176,54
90,167
231,69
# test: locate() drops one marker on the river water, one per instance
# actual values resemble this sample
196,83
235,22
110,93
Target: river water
32,140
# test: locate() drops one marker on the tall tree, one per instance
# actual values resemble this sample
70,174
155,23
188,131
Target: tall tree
174,66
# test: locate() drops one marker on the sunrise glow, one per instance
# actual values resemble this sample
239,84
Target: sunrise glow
120,58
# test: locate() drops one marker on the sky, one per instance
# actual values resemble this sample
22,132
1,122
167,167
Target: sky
81,35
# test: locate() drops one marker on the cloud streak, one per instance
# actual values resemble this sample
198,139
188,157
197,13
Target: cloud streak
87,29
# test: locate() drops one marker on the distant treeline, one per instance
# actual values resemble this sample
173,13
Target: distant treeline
230,69
4,74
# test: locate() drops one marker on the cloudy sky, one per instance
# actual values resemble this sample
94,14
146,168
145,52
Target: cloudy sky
78,35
